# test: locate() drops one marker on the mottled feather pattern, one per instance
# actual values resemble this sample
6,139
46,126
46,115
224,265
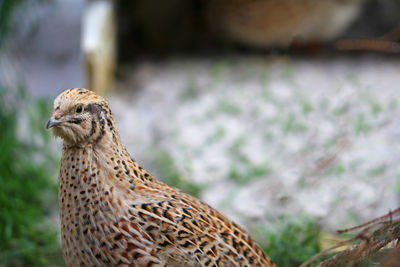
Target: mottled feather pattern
114,213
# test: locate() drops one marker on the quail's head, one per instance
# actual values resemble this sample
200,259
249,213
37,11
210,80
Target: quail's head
79,117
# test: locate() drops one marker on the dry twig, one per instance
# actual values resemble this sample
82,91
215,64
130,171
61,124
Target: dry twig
375,237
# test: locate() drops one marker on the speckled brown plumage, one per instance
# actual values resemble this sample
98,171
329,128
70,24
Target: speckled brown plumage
114,213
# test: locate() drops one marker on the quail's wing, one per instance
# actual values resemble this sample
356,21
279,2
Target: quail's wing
185,230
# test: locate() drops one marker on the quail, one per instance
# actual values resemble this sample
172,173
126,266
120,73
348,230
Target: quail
115,213
269,23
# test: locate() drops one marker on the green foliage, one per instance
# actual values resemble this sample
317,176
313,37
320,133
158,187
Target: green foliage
164,164
191,92
228,108
244,170
396,187
378,171
7,11
290,124
336,170
217,70
376,107
28,187
7,8
217,136
342,110
249,172
8,20
360,124
290,241
306,106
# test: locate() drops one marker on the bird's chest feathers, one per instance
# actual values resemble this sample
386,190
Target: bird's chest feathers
79,181
88,179
99,197
89,199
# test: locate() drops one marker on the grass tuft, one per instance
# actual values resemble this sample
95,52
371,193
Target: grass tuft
289,242
28,189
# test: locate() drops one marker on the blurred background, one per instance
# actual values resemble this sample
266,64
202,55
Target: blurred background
284,115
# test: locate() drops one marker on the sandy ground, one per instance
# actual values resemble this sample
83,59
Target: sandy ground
263,135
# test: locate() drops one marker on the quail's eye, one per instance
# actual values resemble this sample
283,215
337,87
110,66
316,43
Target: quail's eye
79,109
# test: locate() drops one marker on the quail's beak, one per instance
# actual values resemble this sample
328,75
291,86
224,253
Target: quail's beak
52,122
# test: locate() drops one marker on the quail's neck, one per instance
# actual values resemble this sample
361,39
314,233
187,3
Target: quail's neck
106,154
93,171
